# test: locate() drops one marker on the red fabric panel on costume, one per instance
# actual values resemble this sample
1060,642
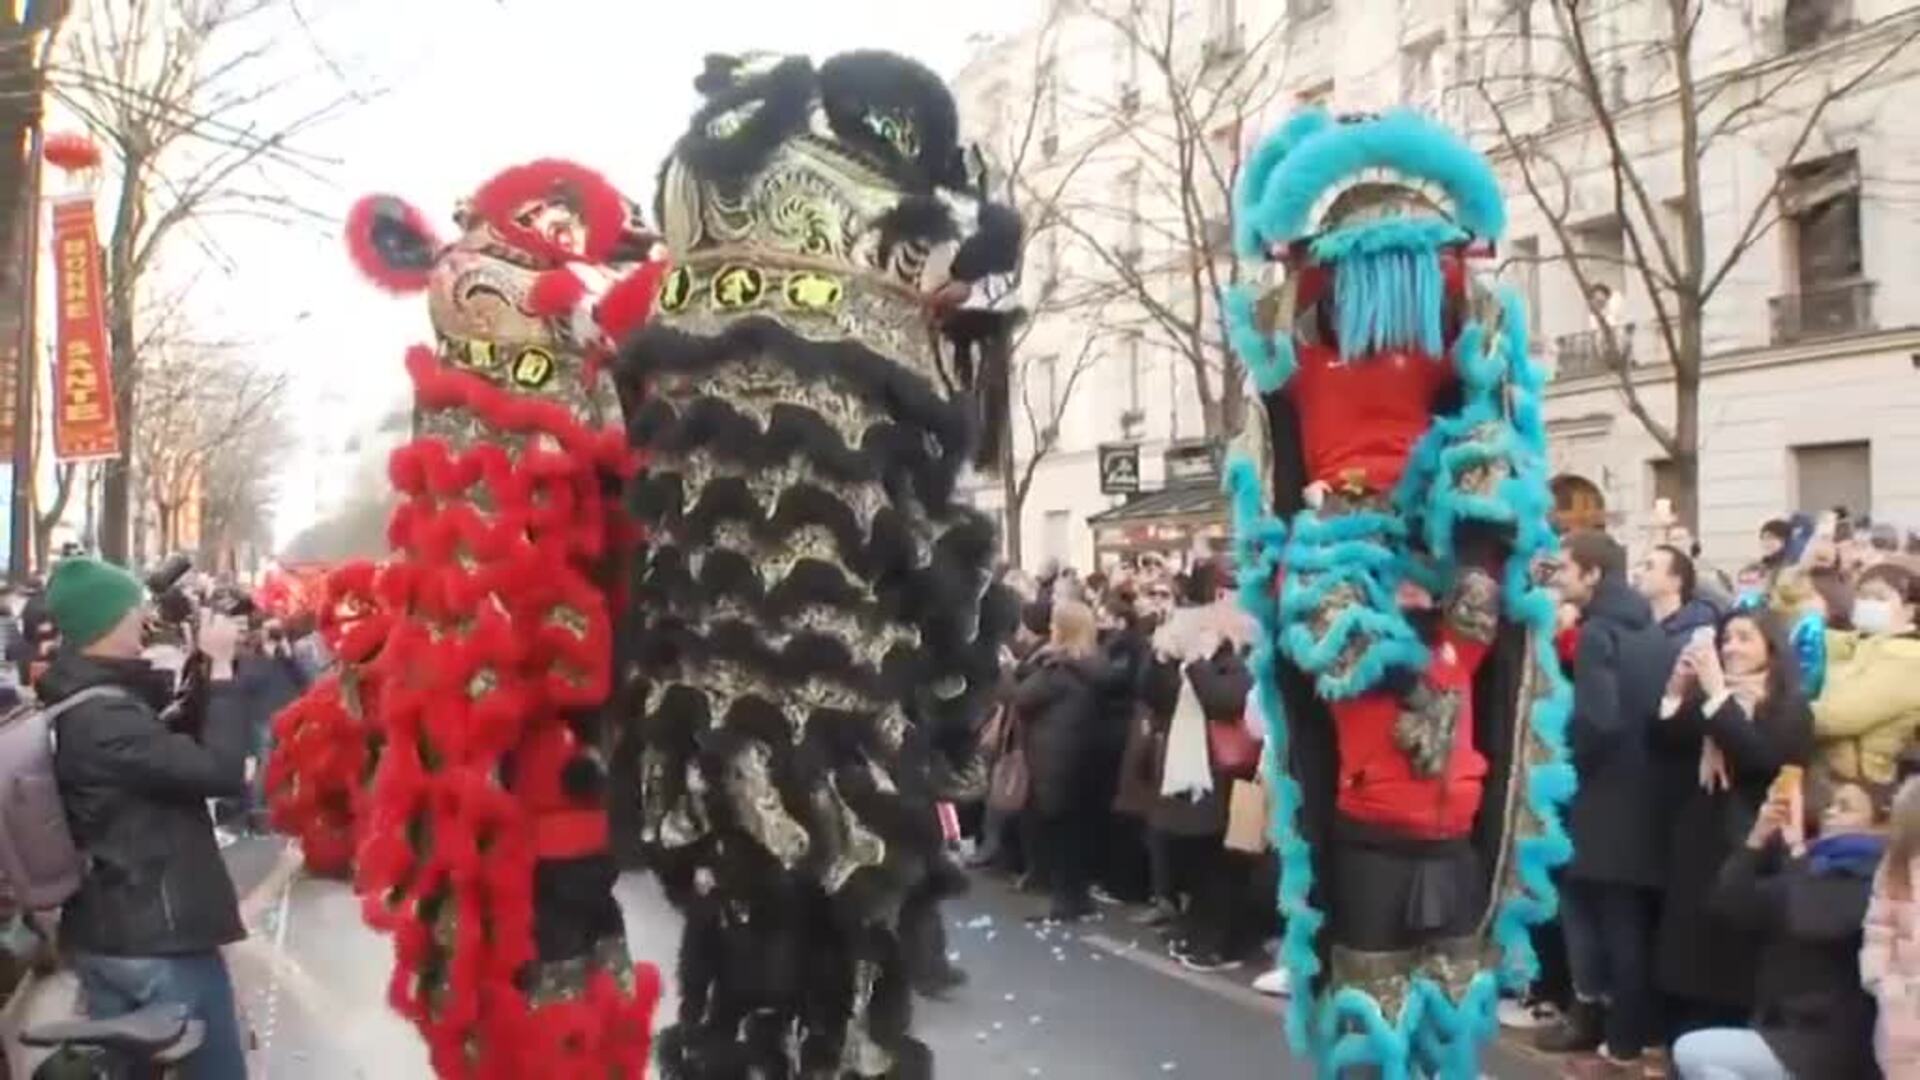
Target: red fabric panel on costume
569,834
1378,785
1360,419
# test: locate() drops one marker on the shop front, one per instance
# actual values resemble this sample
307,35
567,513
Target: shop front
1185,519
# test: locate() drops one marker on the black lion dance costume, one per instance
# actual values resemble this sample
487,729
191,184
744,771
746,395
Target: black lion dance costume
818,634
1390,521
457,759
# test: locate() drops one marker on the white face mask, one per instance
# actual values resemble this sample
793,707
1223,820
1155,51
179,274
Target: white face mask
1874,616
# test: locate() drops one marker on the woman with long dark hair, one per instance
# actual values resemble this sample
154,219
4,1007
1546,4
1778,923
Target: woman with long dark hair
1733,709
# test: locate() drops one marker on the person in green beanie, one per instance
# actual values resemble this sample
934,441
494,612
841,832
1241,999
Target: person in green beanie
97,607
148,922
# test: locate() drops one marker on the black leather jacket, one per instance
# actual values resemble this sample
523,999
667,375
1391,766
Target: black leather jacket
135,793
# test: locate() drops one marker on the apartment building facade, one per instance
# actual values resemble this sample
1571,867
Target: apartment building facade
1811,373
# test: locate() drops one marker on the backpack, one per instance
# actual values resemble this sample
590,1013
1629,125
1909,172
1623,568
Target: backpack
39,863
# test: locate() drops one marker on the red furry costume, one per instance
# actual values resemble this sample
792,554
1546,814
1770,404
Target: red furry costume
486,643
325,742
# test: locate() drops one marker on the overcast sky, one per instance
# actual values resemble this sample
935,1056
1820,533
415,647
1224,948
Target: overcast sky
471,86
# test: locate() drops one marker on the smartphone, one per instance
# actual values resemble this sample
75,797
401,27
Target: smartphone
1789,786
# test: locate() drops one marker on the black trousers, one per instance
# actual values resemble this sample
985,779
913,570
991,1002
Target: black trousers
1609,931
1064,841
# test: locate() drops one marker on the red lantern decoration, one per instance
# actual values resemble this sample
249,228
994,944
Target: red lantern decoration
70,152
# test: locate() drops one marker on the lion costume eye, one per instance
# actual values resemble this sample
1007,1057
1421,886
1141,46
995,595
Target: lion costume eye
896,130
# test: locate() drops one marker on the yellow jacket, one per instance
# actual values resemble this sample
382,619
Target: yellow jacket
1870,707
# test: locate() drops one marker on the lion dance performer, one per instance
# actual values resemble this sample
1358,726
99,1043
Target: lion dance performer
1391,520
325,743
481,840
819,634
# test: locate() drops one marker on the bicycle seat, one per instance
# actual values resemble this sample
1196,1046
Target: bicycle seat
154,1033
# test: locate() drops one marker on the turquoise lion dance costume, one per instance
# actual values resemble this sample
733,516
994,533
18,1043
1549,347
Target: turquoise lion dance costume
1390,509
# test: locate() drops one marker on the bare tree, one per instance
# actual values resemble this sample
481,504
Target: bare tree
1586,60
202,117
1034,179
1177,125
203,414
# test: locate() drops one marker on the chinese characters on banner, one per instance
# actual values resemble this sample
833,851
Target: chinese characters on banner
85,426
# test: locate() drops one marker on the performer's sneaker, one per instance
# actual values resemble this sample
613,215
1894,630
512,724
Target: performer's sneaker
1101,895
1277,982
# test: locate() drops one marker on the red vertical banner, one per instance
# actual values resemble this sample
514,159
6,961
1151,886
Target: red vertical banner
85,423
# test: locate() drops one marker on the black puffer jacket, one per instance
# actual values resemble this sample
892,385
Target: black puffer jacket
1619,672
1059,702
135,794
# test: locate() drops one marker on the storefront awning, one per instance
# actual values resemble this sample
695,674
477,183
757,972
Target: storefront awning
1196,501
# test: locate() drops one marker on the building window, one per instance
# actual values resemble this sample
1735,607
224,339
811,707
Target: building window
1820,204
1523,273
1223,32
1834,474
1049,372
1419,74
1666,483
1134,241
1136,377
1056,535
1050,107
1806,23
1603,254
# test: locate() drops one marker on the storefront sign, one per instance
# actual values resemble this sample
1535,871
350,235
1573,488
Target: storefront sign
1192,463
1119,469
85,424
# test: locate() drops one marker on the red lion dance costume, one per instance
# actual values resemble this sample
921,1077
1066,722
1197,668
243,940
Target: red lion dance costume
478,664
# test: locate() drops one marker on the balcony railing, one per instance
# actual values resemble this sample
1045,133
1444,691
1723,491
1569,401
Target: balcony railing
1823,311
1577,356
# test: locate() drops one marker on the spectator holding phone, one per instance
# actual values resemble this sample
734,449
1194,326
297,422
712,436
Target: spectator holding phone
1804,901
1734,711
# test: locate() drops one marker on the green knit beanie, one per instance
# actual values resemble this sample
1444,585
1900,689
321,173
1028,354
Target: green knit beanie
88,598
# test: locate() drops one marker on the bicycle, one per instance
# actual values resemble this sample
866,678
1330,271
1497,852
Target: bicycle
142,1045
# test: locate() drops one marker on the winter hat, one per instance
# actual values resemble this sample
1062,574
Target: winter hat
88,598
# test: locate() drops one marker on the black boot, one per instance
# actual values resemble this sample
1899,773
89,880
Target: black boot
1578,1032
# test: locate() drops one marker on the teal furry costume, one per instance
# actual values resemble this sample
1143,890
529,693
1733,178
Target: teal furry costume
1390,513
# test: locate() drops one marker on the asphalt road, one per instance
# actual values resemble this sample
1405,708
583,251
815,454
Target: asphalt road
1099,1003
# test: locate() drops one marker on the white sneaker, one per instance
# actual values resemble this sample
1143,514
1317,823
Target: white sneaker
1277,982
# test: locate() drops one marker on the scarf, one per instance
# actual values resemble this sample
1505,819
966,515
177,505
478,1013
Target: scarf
1189,768
1851,854
1747,691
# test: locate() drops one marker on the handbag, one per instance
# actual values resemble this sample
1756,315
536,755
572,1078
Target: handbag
1010,782
1233,750
1247,817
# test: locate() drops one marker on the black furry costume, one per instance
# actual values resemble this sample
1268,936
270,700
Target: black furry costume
816,631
